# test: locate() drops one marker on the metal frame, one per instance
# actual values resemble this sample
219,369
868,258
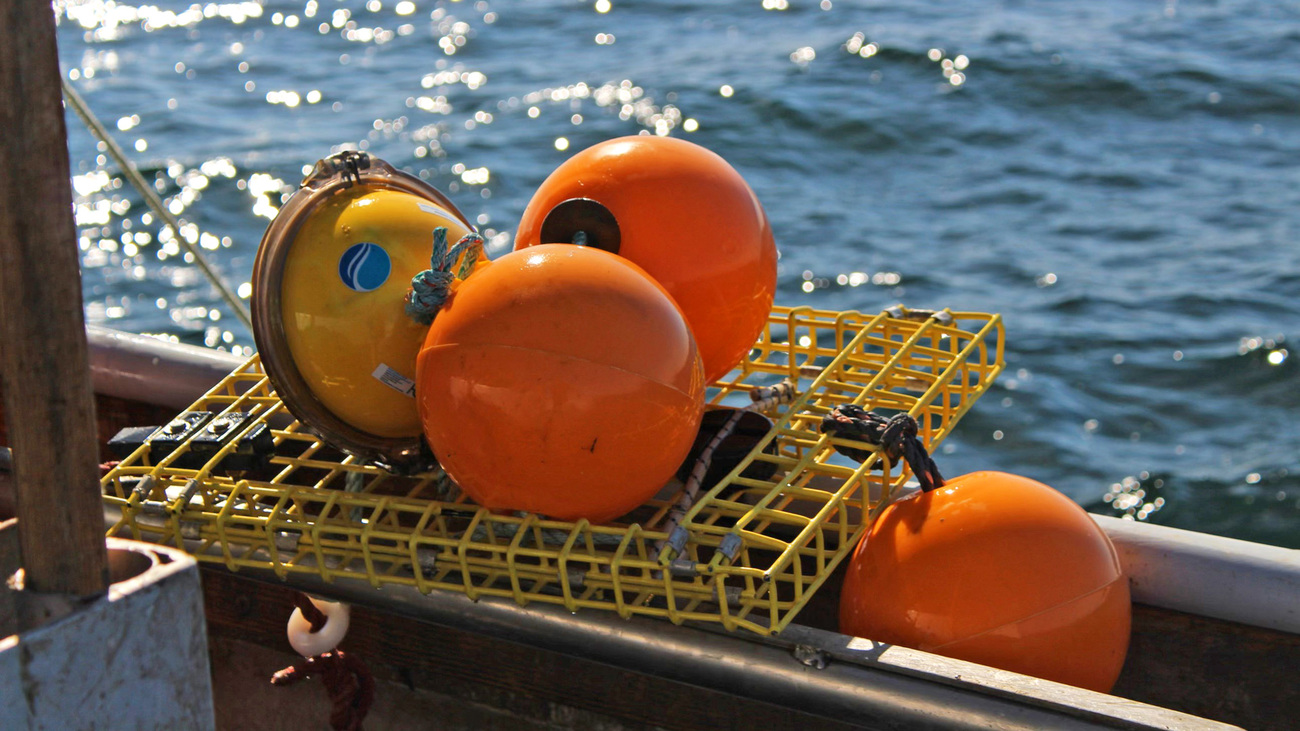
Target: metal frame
754,552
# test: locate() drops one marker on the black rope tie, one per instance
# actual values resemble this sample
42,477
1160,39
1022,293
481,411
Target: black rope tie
897,436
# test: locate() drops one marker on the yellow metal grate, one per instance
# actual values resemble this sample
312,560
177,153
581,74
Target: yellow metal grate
755,549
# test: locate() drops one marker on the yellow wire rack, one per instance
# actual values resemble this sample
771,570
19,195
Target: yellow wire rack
749,553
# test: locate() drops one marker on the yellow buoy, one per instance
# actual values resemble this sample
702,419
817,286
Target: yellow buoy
329,286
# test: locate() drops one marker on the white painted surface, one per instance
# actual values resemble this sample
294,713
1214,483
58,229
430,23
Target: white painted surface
1209,575
135,659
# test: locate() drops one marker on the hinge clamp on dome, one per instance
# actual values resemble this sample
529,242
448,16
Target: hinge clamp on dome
347,164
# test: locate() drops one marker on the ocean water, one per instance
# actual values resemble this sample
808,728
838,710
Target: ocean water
1119,179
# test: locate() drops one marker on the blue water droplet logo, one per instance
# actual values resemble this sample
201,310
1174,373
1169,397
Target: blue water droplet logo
364,267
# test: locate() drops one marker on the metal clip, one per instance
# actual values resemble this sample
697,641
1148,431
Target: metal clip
191,488
155,508
683,568
730,546
903,313
677,540
143,488
163,508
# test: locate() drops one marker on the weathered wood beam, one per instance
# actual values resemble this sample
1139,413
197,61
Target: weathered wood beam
49,403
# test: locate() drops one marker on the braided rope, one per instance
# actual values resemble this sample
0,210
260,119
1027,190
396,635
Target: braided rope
898,436
762,398
431,287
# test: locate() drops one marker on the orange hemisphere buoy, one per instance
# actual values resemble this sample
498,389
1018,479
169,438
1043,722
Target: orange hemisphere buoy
682,214
996,569
561,380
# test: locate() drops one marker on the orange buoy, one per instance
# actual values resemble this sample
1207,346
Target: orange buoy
683,215
561,380
996,569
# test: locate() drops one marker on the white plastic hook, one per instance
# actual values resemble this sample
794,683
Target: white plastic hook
310,644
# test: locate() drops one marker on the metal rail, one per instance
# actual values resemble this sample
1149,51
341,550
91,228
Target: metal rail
847,679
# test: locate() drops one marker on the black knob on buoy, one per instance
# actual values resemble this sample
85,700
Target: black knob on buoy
584,222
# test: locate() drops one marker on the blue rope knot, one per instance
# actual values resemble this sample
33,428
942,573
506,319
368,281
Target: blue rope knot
431,287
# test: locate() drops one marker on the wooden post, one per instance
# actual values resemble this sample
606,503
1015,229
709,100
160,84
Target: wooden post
49,403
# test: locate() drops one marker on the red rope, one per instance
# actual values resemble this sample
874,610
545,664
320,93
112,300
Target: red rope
347,680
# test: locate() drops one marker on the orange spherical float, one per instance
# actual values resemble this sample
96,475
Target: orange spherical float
560,380
682,214
996,569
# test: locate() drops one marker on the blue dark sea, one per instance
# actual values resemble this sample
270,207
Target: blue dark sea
1119,179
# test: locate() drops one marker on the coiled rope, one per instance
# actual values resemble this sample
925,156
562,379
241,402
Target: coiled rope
431,287
897,436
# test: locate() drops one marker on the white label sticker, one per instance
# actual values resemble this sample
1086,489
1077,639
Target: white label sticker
394,380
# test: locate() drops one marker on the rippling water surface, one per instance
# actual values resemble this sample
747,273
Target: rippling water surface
1121,180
